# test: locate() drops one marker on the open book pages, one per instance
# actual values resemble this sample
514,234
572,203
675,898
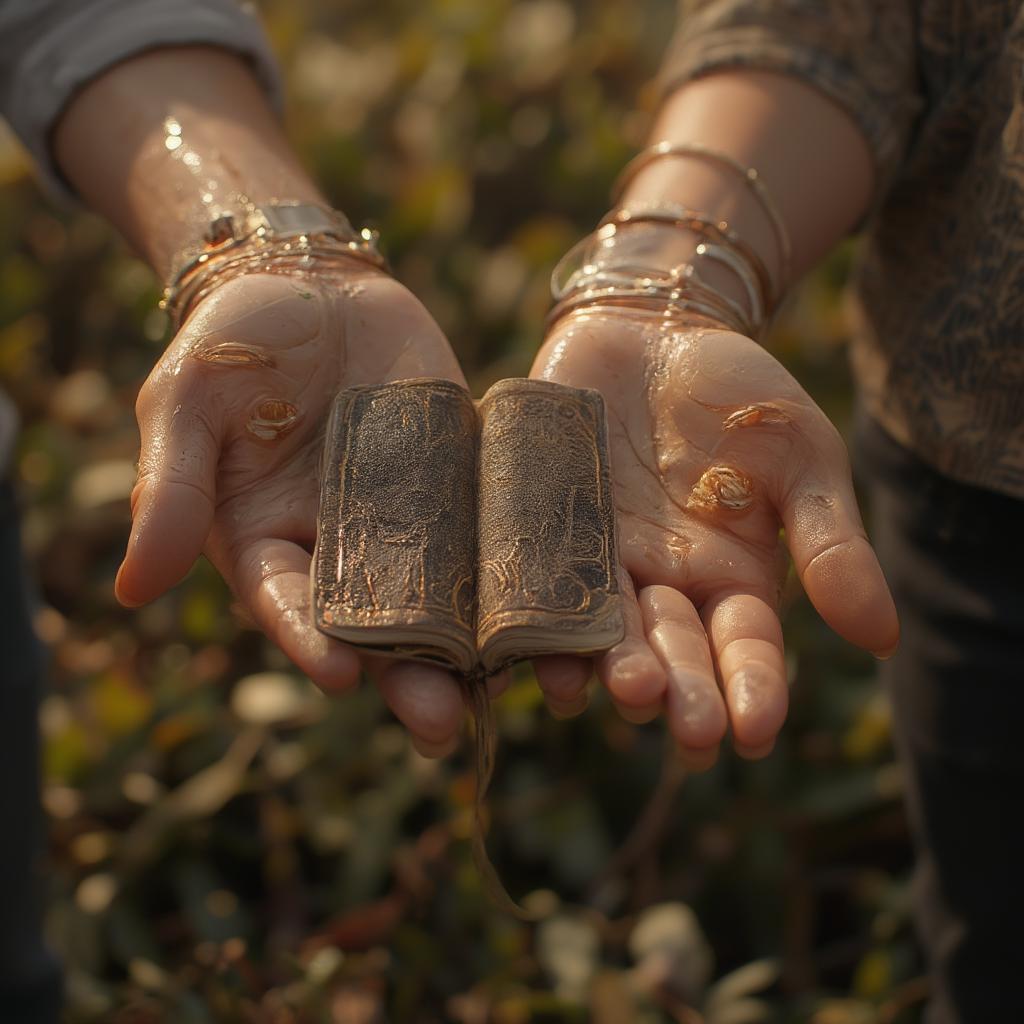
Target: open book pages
470,535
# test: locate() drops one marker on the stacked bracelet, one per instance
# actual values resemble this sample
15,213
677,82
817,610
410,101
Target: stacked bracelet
751,178
595,274
602,269
276,237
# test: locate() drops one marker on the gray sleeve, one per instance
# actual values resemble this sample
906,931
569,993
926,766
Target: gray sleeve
49,49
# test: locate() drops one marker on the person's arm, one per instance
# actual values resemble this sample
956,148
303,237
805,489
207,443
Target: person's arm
166,141
810,154
162,140
714,444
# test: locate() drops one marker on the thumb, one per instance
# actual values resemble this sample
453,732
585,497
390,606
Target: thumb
833,557
174,500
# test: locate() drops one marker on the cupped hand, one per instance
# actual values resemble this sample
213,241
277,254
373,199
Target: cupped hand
714,446
232,422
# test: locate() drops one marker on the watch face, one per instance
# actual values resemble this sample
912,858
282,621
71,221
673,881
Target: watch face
289,219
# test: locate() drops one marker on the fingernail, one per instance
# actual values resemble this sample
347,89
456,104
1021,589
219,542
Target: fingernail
641,715
433,750
568,708
121,599
886,654
698,760
755,753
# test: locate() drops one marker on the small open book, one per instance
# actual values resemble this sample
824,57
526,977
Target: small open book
472,535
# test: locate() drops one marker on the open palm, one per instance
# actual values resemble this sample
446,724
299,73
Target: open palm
714,446
232,421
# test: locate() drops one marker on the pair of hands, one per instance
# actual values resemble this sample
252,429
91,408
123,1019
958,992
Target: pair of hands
232,420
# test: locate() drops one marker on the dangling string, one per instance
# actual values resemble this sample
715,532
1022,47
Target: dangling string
485,742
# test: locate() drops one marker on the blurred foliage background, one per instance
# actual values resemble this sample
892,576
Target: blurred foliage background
228,845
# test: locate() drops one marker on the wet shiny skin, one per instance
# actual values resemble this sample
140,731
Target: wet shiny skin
232,421
714,447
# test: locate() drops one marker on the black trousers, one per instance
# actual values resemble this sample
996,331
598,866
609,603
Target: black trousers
30,982
954,557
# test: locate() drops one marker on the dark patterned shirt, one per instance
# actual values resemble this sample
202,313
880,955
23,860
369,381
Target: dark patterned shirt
936,86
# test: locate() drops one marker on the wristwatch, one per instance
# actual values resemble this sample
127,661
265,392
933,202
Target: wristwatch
304,228
278,220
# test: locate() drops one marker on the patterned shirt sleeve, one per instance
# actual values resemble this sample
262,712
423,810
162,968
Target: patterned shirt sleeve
860,53
49,49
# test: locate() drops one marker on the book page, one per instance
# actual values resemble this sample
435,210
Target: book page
547,575
396,555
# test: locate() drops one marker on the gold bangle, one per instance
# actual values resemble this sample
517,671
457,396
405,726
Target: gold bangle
750,176
718,232
682,284
268,257
266,230
663,306
740,270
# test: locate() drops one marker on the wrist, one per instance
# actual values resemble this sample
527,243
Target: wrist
279,237
669,261
712,191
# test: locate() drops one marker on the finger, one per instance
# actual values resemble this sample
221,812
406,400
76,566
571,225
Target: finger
498,684
425,699
174,499
270,578
631,671
563,681
835,562
746,641
698,760
694,706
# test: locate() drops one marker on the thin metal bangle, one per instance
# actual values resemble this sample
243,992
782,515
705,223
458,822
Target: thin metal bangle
750,175
661,307
750,322
274,257
607,272
693,220
691,296
740,270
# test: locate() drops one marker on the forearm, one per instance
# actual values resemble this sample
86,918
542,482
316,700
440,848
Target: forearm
810,155
163,143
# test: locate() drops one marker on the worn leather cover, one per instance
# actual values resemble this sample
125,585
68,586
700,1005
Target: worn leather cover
547,577
395,563
439,538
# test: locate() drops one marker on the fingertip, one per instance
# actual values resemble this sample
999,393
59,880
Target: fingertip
337,669
758,701
122,590
755,753
886,653
639,715
697,760
426,700
633,675
570,708
497,684
847,586
169,528
696,713
562,678
434,751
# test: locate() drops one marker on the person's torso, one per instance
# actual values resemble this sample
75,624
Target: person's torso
941,354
